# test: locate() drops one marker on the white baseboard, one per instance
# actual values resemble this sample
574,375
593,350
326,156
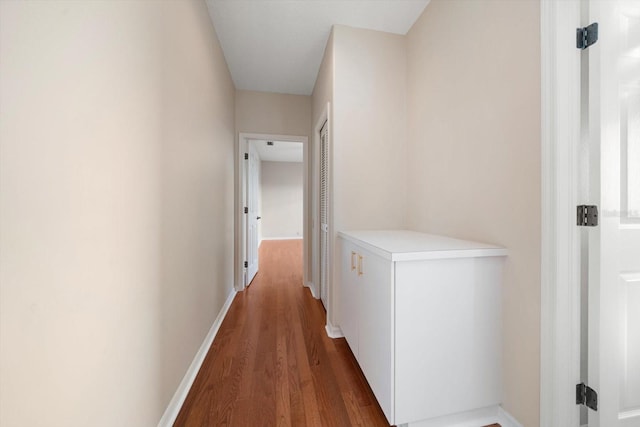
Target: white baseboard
506,419
333,331
312,288
281,238
475,418
171,413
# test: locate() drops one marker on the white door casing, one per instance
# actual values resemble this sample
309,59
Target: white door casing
241,223
253,188
614,245
324,212
560,287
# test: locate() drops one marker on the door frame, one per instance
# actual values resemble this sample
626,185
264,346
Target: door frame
560,269
250,148
240,228
317,290
331,327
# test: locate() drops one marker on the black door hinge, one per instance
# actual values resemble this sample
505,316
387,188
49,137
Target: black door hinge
587,215
587,396
246,264
246,210
586,36
246,156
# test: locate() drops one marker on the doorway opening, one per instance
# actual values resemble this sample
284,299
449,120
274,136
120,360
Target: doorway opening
273,198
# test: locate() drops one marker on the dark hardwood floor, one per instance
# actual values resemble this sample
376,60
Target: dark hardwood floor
272,364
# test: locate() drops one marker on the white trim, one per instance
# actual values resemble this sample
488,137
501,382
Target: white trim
474,418
325,116
172,411
240,223
505,419
239,232
333,331
560,284
312,288
282,238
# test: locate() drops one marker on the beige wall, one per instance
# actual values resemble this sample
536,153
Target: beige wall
369,129
116,214
323,88
321,96
279,114
273,113
281,193
474,168
369,132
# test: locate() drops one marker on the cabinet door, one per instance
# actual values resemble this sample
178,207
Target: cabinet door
448,342
375,339
348,297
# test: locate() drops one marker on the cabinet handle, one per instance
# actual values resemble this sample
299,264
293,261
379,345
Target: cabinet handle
353,263
360,272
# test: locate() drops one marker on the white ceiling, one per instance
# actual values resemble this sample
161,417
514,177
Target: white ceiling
277,45
280,151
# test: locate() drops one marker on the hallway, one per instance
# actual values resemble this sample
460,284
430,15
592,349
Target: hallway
272,363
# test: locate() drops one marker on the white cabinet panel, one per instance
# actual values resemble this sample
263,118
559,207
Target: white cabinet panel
349,297
422,315
367,317
375,338
447,337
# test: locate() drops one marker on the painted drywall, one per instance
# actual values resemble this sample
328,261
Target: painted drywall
369,149
273,113
323,89
369,129
321,97
279,114
474,168
116,206
281,194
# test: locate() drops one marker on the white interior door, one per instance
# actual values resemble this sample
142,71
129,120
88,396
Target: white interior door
614,245
324,212
253,188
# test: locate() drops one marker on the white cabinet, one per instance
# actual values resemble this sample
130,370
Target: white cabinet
421,314
367,324
349,292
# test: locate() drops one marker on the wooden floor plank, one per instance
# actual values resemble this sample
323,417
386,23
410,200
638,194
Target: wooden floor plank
272,364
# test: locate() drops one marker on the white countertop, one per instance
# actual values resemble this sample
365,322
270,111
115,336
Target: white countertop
405,245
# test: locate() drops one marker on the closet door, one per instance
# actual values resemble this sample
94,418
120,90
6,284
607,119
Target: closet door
324,212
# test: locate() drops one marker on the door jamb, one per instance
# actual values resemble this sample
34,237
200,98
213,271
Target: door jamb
560,269
240,185
315,285
332,327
